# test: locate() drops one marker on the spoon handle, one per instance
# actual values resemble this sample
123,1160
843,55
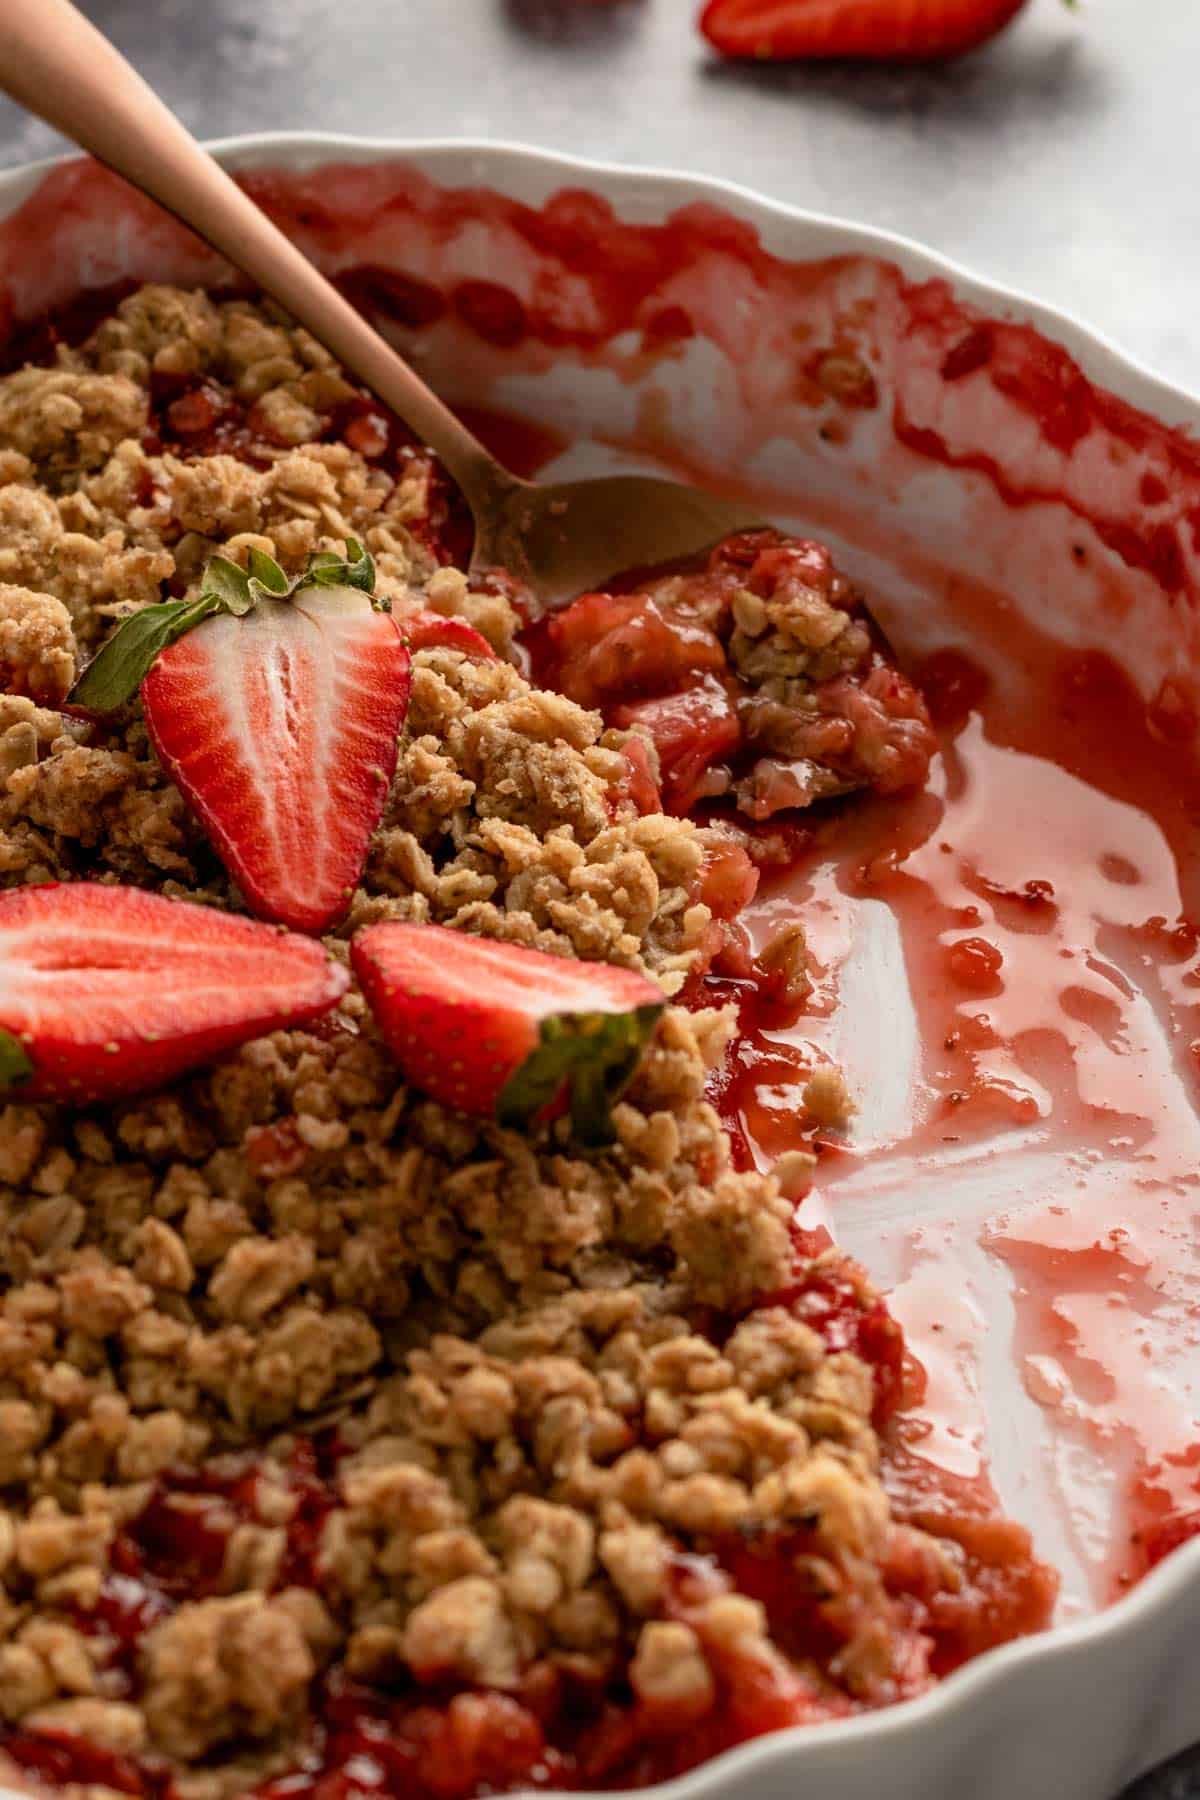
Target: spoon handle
56,64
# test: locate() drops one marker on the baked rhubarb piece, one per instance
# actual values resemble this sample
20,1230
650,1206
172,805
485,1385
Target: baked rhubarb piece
409,1395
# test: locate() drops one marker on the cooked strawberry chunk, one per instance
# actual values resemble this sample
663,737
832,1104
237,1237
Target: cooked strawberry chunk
617,646
107,991
479,1743
693,732
764,562
638,786
728,878
426,630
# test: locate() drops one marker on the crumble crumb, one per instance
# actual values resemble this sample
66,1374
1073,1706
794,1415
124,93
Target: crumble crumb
37,646
827,1099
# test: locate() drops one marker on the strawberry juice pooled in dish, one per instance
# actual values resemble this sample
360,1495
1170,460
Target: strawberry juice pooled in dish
449,1374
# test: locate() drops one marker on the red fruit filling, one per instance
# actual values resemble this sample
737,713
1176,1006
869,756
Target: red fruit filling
757,677
426,1742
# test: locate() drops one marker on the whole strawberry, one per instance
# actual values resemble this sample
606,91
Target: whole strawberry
503,1031
872,30
275,707
107,991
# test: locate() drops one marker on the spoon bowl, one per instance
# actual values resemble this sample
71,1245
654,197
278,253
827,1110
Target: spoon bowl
562,539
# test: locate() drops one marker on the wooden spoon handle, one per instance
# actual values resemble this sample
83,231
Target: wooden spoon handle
56,64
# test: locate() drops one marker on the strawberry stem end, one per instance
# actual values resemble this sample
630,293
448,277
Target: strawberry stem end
593,1057
15,1066
118,669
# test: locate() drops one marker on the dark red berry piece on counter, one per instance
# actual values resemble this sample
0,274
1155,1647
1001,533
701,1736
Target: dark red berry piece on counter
868,30
504,1031
107,991
275,707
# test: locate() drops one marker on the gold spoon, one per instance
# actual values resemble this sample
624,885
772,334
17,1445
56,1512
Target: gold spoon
560,538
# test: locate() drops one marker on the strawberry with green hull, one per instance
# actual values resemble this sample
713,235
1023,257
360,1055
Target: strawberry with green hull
275,707
108,991
868,30
504,1031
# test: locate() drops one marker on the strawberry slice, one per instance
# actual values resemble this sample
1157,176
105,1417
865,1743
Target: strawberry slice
425,630
504,1031
106,991
275,707
872,30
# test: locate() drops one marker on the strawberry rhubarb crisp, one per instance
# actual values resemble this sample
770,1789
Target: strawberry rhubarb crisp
403,1389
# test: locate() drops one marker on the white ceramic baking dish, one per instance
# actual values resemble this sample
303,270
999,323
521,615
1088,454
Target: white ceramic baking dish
617,305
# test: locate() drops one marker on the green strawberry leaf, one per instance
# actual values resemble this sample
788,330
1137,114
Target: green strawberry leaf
265,578
593,1055
354,570
15,1066
229,583
116,673
598,1082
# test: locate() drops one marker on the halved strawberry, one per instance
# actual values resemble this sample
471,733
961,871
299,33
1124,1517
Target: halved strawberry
275,707
425,630
500,1030
874,30
280,729
107,991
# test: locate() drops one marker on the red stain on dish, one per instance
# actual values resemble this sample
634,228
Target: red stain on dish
954,372
1047,912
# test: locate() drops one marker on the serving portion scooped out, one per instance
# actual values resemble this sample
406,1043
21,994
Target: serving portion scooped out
413,1388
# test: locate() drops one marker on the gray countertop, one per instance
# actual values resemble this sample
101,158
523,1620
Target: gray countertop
1060,161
